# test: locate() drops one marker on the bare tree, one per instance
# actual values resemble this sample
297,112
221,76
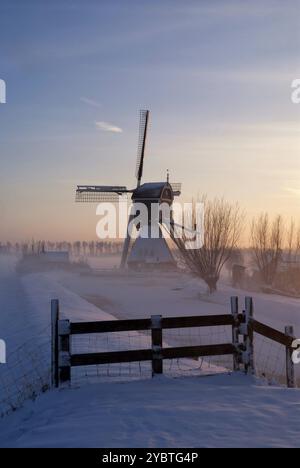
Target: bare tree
293,242
267,244
222,230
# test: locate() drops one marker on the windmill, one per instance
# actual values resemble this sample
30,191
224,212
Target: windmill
145,249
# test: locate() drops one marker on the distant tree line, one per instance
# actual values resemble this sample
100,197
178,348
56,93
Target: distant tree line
76,249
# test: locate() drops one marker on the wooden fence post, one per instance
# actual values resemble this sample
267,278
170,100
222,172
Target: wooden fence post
290,369
249,314
54,342
156,336
235,331
64,351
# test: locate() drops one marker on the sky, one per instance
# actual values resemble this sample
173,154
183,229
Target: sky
215,75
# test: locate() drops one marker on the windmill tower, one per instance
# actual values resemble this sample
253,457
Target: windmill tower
146,250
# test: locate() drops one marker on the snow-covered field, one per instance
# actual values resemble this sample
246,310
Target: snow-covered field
221,411
190,411
136,295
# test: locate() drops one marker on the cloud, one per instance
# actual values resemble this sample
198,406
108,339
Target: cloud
90,102
293,191
107,127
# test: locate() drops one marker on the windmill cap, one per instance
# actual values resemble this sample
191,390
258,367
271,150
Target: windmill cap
152,190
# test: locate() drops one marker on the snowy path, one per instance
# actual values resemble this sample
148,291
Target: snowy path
220,411
133,296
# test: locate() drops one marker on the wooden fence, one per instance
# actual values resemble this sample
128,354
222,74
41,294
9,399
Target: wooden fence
241,347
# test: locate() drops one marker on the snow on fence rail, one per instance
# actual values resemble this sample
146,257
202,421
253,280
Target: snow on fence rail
240,347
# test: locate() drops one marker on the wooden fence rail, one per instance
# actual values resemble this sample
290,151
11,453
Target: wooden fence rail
111,326
241,348
272,334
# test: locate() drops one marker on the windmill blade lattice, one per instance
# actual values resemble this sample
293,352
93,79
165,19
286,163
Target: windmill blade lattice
144,119
97,194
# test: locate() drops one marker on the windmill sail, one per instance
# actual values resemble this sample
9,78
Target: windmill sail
100,193
144,119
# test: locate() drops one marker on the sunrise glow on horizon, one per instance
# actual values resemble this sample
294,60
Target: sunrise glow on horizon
216,78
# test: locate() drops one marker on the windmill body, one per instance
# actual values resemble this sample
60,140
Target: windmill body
147,250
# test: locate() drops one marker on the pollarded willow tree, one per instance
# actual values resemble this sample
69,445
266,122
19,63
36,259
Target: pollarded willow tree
222,231
267,238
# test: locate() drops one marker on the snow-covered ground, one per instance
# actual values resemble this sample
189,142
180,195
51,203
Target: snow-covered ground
223,410
220,411
137,295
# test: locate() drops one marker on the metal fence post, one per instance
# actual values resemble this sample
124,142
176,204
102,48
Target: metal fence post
290,369
235,332
54,342
64,351
249,314
156,336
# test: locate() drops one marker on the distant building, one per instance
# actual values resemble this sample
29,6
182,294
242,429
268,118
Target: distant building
238,275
